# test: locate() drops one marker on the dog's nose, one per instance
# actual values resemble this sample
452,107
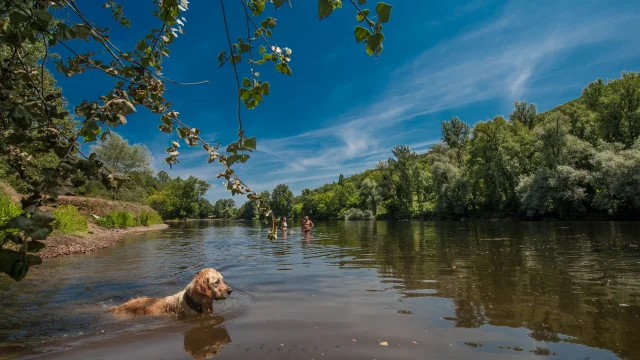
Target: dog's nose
229,290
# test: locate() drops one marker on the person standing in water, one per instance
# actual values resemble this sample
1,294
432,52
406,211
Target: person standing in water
307,225
283,227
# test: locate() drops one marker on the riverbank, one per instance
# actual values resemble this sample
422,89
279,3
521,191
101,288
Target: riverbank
190,220
97,238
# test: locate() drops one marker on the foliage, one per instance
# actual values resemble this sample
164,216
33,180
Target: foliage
118,219
580,159
357,214
281,200
121,158
69,220
224,208
180,199
31,117
8,210
147,219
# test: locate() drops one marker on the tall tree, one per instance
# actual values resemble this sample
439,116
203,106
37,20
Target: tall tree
456,134
224,208
523,113
123,158
370,194
282,200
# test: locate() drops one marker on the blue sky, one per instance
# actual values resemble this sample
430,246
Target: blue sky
342,111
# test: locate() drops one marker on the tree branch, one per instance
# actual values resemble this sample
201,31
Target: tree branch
246,13
235,69
369,22
104,41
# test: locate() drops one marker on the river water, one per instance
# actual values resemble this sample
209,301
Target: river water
426,290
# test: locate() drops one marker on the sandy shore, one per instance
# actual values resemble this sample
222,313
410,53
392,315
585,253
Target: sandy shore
97,238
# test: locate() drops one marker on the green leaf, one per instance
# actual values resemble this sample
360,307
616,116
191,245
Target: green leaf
18,222
362,2
233,159
362,15
221,56
83,31
245,48
373,42
260,62
142,45
262,49
361,33
235,59
278,3
43,16
384,12
63,32
266,88
246,82
35,246
325,8
39,233
250,143
257,7
43,217
283,68
270,22
378,27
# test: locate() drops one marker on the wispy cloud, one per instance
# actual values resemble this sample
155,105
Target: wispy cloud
501,59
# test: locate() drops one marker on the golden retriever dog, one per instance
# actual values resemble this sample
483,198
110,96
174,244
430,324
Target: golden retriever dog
196,298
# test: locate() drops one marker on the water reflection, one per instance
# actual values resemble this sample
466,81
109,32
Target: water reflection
574,282
559,283
206,342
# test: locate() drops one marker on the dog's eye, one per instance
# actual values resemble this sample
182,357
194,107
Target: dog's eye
217,282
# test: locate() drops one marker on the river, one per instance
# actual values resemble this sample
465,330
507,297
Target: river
353,290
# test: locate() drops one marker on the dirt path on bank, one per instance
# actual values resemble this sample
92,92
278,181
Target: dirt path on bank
97,238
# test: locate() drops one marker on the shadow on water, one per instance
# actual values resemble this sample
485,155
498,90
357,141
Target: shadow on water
453,289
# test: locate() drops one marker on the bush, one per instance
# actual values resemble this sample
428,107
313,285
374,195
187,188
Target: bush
8,210
69,220
124,219
146,219
357,214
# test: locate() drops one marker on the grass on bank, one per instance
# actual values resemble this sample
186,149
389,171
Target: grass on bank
8,210
69,220
125,219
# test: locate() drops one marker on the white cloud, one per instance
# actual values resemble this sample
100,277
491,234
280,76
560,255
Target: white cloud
503,58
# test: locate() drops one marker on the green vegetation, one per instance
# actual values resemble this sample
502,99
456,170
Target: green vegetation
579,160
125,219
147,219
42,143
69,220
8,210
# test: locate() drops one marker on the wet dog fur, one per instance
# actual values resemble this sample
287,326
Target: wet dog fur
207,286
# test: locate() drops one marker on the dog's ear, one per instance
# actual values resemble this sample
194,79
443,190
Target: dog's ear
202,284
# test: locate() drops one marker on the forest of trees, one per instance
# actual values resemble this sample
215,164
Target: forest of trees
579,160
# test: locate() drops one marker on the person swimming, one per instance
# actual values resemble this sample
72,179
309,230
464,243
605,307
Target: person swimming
307,225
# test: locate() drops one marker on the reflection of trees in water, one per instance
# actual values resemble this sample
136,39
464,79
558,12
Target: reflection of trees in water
205,342
552,278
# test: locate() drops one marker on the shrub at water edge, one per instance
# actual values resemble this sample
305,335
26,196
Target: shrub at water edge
124,219
357,214
8,210
69,220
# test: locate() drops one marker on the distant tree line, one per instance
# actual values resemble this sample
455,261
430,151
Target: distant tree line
579,160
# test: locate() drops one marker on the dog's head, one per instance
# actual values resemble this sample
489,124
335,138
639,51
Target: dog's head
209,283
